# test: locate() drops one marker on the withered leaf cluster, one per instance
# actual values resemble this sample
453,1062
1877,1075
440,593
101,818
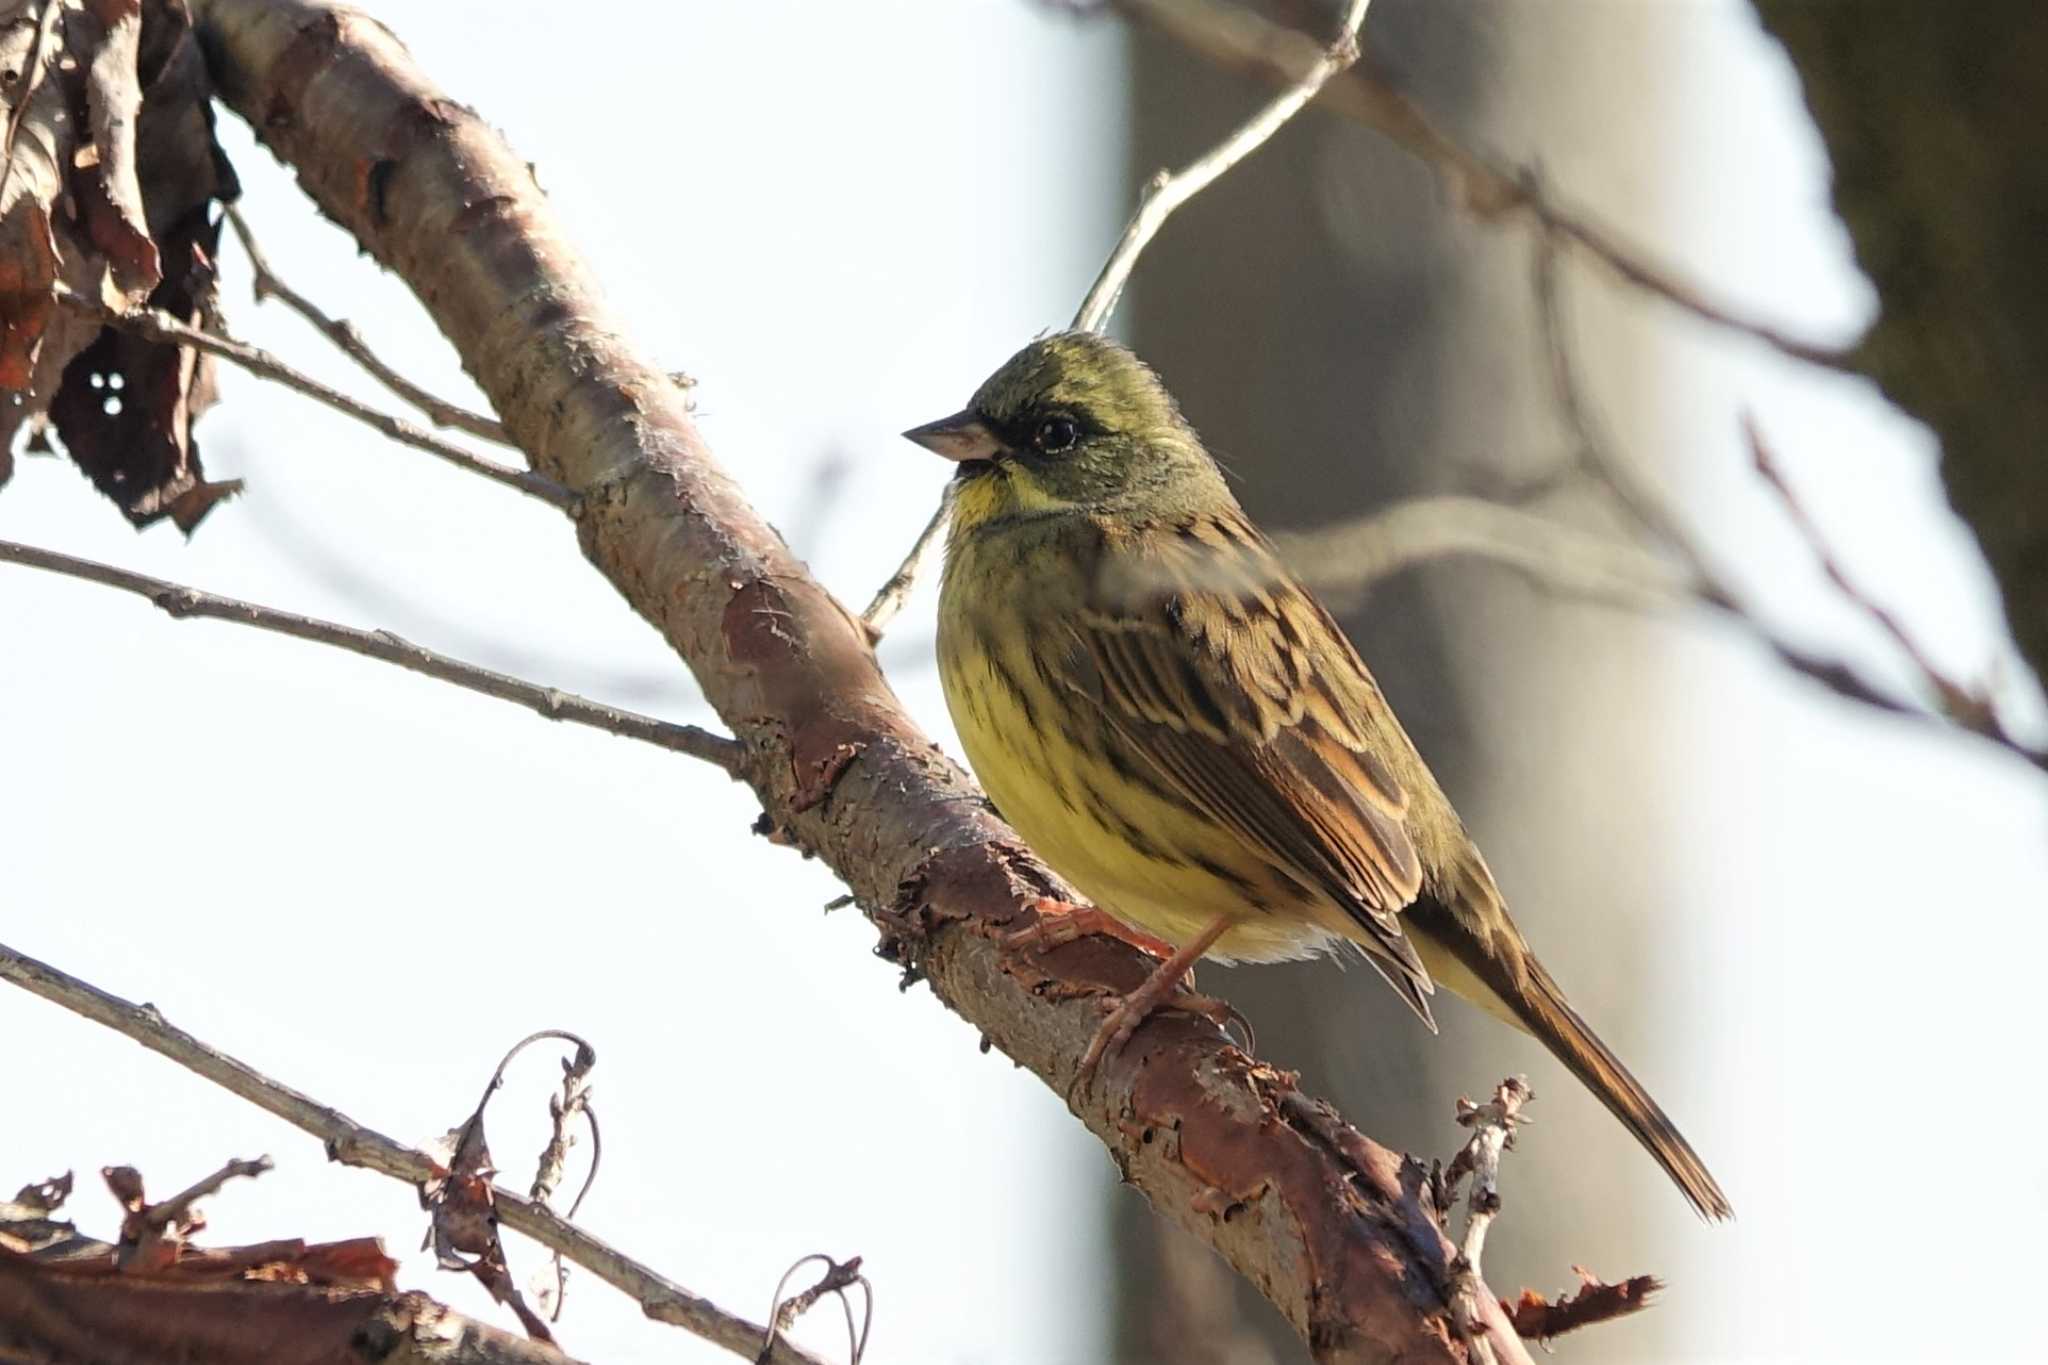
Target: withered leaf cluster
110,184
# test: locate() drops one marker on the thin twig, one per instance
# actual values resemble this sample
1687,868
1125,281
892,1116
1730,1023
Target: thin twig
1493,1132
1168,192
1342,561
839,1276
1236,36
162,327
1653,514
1969,707
182,602
160,1216
893,594
354,1145
269,284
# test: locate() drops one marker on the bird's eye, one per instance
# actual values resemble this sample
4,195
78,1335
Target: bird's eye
1055,434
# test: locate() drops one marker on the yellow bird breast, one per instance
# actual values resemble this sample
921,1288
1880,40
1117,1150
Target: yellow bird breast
1099,814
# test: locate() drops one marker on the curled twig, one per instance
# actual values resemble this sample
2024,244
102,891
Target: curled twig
839,1276
571,1100
464,1231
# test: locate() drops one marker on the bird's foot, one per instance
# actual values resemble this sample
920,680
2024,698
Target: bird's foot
1061,922
1160,991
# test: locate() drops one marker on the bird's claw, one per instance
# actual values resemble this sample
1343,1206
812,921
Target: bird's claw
1134,1009
1062,922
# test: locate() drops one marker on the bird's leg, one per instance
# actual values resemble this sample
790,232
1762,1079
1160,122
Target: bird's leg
1061,922
1157,992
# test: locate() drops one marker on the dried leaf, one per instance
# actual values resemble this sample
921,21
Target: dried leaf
119,205
1536,1318
111,200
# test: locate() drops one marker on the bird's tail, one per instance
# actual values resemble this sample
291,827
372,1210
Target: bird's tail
1500,974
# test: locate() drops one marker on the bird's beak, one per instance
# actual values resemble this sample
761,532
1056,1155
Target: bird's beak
963,437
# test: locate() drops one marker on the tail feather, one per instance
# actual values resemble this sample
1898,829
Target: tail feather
1510,982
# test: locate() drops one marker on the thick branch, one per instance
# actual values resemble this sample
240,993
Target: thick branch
182,602
1327,1228
52,1312
352,1144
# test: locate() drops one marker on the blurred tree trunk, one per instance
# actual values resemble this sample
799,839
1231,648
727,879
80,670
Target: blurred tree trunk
1936,121
1343,341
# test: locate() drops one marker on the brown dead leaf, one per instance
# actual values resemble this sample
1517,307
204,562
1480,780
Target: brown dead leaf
112,199
111,184
1536,1318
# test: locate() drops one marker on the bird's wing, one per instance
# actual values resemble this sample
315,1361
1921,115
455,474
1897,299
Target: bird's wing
1210,660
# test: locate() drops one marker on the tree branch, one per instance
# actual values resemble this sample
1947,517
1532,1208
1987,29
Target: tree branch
891,596
1168,192
1324,1222
1636,496
1237,37
182,602
1342,561
269,284
159,326
352,1144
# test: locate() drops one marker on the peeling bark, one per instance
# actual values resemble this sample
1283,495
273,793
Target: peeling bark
1329,1225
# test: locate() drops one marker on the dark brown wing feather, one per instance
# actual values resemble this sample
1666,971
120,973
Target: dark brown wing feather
1211,662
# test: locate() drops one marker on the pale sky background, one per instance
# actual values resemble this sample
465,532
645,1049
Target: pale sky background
838,219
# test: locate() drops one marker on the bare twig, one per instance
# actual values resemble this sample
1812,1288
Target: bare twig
893,594
573,1099
1168,191
1236,36
342,332
182,602
1969,707
839,1277
1654,516
354,1145
160,326
1342,561
1493,1132
178,1205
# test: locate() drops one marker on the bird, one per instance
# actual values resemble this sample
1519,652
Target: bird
1175,725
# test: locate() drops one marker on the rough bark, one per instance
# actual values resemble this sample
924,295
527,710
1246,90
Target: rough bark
56,1314
1325,1222
1933,119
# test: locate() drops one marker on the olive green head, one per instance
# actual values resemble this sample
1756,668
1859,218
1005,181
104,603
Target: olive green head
1071,422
